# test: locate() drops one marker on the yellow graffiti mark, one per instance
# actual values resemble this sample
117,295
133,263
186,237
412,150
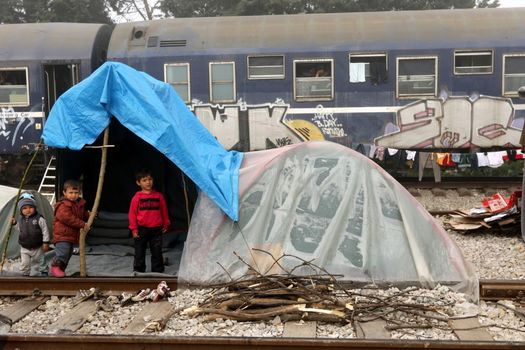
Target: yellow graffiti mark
305,130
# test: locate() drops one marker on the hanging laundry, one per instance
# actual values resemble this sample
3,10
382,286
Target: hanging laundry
483,159
378,74
445,160
496,158
380,153
372,151
424,158
357,72
392,151
411,155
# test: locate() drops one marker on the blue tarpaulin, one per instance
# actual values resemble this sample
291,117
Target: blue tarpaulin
153,111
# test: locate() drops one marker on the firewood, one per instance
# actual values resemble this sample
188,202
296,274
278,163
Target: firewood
252,315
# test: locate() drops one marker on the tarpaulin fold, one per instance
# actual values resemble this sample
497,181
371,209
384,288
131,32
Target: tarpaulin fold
153,111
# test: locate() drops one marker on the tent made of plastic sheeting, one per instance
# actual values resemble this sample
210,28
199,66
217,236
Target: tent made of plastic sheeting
153,111
6,193
324,202
13,248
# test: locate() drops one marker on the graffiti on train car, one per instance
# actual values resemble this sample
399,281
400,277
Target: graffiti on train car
264,123
328,124
457,122
14,125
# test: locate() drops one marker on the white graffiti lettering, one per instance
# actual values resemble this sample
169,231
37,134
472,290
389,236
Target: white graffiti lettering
20,122
328,123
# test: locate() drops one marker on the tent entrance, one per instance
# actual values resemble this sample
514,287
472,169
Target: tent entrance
129,155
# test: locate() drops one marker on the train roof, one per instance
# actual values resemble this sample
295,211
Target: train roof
48,41
428,29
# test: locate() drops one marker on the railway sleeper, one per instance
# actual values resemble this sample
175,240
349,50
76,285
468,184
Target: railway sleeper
154,315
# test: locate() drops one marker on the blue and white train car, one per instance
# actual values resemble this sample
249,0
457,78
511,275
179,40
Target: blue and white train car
38,62
439,79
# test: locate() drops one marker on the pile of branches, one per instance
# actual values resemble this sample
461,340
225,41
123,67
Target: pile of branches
315,297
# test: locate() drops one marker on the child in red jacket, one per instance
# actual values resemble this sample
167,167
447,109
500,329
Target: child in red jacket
148,220
70,217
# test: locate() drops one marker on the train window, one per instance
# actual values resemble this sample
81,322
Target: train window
416,76
513,74
14,90
473,62
222,81
313,80
266,67
178,76
369,68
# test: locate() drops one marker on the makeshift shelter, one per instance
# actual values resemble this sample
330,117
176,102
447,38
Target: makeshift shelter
315,200
152,129
325,203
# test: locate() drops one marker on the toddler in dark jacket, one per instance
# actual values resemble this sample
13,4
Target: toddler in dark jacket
34,234
70,217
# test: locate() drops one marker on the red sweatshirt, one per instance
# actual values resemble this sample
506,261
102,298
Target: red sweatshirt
148,210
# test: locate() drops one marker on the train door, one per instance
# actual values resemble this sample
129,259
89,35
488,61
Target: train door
58,78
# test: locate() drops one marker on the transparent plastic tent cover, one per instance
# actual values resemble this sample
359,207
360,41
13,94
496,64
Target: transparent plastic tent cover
328,204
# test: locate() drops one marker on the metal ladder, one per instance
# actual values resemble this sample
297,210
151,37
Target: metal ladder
47,185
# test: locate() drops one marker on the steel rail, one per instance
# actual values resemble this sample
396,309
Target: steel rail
69,286
461,183
489,289
24,286
149,342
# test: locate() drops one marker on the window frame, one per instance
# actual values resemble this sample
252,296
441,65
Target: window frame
332,76
413,58
366,54
503,75
472,52
18,104
265,77
188,73
210,82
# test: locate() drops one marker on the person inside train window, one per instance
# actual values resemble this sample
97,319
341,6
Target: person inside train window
308,72
322,72
3,79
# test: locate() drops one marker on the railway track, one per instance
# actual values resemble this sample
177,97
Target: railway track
42,288
27,286
466,183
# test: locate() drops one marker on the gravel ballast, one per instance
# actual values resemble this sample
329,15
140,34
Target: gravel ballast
493,256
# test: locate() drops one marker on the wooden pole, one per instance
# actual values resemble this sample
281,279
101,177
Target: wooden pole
85,230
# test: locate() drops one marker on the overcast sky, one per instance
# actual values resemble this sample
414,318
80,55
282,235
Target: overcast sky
512,3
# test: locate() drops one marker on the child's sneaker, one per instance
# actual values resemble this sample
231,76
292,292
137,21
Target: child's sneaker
162,288
56,271
154,296
142,295
126,299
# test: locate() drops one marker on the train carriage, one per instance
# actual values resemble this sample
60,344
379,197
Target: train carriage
433,80
38,62
405,79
